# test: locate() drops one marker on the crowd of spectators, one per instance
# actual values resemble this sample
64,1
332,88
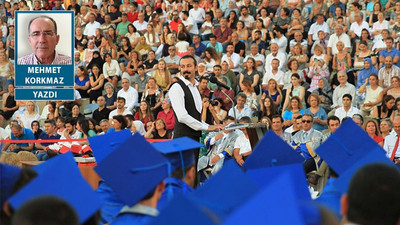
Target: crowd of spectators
288,64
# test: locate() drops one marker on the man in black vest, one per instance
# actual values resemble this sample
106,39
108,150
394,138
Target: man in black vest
187,105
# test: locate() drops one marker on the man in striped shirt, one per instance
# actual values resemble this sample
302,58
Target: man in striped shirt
43,39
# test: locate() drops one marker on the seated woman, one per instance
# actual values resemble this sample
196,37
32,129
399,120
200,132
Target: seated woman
251,100
53,111
137,126
295,90
118,123
110,96
35,126
374,94
167,114
29,115
219,112
274,92
267,107
153,95
96,81
371,127
82,83
395,88
318,113
386,109
75,112
82,125
294,106
144,113
9,105
158,130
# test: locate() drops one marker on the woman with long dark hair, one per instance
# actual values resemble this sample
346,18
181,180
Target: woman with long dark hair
267,108
385,110
96,81
82,81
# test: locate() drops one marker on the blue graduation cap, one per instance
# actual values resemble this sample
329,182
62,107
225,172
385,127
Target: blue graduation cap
225,191
133,169
181,209
343,181
264,176
272,151
8,176
62,180
103,145
276,203
178,151
346,146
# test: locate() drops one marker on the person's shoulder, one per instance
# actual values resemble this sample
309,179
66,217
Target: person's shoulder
62,59
26,59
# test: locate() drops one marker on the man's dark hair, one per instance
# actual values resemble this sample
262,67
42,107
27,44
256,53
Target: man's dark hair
278,29
277,116
242,95
212,36
258,32
309,115
203,78
333,118
348,96
52,122
374,195
229,118
130,117
140,67
229,43
45,210
218,66
187,57
185,13
44,17
243,7
245,119
389,38
121,98
71,121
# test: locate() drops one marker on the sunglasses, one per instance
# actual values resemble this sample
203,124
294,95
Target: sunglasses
306,121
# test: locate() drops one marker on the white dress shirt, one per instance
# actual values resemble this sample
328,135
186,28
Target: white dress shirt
390,142
177,97
131,97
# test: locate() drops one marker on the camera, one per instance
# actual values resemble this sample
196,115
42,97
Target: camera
213,102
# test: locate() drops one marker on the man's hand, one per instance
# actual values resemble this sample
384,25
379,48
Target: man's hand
215,127
14,147
215,159
240,160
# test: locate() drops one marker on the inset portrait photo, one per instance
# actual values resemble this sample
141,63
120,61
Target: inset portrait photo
44,38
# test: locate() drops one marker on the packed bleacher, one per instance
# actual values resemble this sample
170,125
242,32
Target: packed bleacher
297,68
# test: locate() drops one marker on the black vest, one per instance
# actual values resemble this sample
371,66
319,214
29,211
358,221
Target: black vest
181,129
